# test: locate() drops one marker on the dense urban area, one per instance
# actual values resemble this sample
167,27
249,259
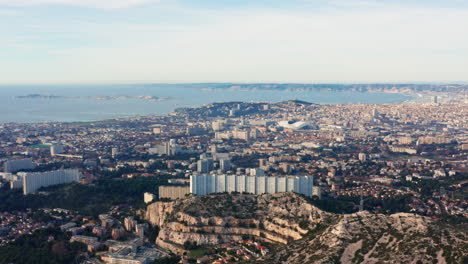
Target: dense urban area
235,182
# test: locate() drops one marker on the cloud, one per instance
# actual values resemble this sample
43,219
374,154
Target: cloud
105,4
256,45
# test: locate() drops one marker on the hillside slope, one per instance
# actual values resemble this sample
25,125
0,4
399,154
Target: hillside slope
303,233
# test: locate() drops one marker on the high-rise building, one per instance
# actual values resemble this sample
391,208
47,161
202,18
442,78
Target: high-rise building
205,165
172,148
114,152
317,191
362,157
217,125
169,148
224,165
173,192
16,182
56,148
240,134
261,185
35,180
254,133
17,165
203,184
257,172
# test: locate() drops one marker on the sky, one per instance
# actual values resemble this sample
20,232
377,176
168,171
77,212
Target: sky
180,41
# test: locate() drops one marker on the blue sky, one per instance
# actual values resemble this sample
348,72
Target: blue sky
119,41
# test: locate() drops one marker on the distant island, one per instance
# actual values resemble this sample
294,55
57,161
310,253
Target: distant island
103,97
41,96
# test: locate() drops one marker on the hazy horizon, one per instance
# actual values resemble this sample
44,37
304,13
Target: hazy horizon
109,83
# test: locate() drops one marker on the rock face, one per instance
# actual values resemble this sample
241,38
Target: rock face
375,238
304,233
215,219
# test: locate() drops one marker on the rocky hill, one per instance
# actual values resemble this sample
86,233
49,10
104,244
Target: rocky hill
303,233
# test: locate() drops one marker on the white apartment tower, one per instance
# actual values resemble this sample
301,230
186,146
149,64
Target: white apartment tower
362,157
17,165
56,148
204,184
35,180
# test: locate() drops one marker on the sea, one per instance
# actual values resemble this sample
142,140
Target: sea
75,107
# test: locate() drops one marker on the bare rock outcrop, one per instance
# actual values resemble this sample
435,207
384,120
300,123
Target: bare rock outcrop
305,234
376,238
215,219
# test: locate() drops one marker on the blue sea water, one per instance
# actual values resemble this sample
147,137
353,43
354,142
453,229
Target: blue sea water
13,109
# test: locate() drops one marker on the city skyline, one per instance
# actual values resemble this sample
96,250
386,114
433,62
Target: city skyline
95,41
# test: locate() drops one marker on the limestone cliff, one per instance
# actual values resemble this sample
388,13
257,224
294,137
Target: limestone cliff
311,235
376,238
215,219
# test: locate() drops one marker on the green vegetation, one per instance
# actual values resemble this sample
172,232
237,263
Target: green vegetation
36,249
167,260
197,253
303,224
190,246
87,199
427,186
334,205
349,204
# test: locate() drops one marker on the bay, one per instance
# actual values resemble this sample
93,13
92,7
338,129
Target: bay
75,107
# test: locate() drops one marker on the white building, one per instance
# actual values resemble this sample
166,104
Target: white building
206,184
16,182
148,197
217,125
114,152
17,165
35,180
6,176
317,191
257,172
169,148
240,134
205,165
362,157
56,148
300,125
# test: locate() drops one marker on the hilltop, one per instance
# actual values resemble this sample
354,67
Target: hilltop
302,233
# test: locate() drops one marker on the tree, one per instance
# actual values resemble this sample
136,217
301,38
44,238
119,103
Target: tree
60,250
167,260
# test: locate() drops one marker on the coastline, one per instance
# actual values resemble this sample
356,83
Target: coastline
410,98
